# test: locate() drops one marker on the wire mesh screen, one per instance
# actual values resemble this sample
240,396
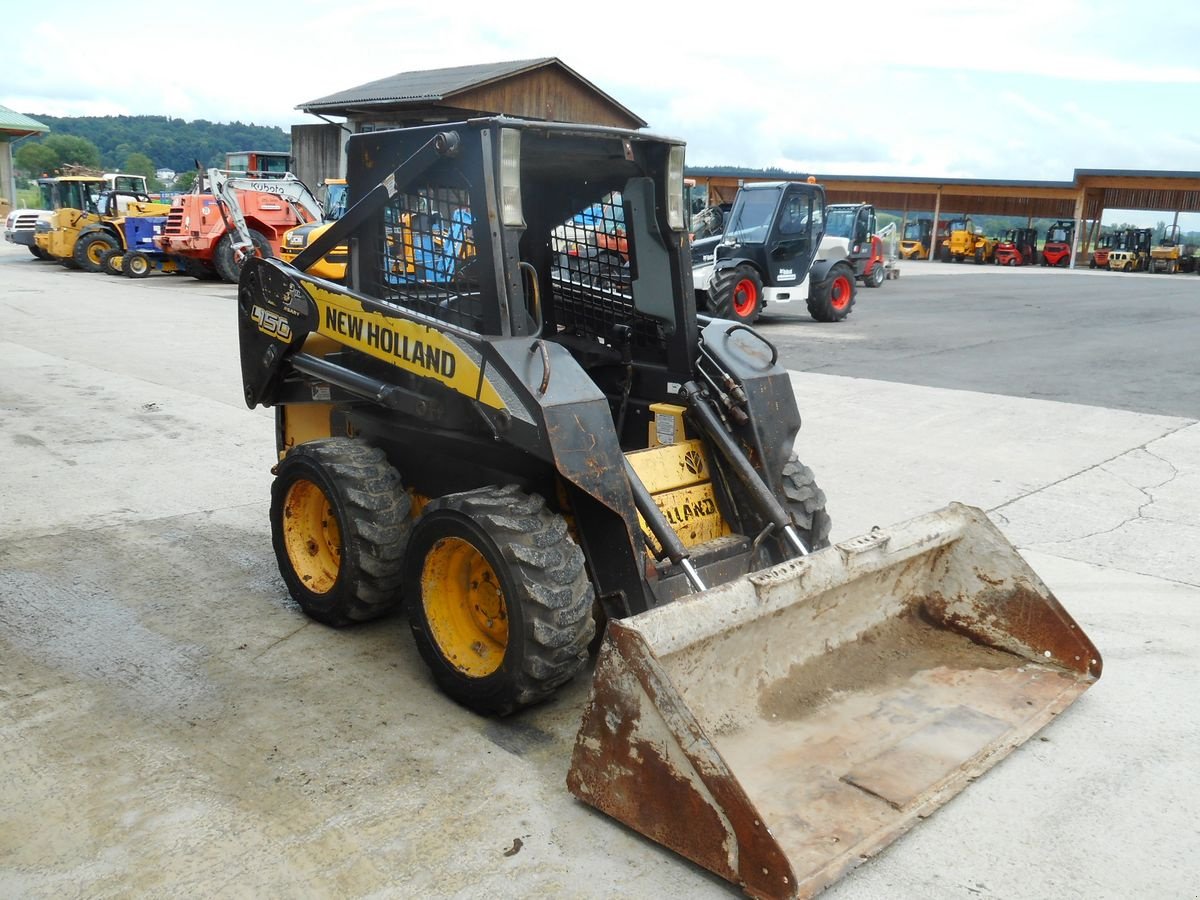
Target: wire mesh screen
593,277
425,254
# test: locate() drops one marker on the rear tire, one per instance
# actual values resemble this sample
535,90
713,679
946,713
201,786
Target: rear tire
737,294
138,264
498,598
979,257
832,299
339,526
90,249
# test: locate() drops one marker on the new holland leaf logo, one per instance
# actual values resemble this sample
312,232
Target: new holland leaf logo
693,462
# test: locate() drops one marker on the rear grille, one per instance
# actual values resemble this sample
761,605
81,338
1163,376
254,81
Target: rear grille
174,223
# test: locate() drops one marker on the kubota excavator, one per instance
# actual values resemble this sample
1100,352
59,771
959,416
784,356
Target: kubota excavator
525,445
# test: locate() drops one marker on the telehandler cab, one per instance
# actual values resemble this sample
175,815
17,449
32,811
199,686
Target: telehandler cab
520,436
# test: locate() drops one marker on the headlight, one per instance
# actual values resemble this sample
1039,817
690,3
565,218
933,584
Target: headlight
511,213
9,220
675,188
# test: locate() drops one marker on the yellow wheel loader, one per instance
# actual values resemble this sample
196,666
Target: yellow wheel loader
526,442
89,221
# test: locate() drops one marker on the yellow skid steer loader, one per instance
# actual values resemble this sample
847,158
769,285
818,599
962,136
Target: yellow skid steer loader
510,419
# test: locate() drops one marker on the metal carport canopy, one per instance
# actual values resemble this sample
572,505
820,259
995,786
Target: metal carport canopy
1084,199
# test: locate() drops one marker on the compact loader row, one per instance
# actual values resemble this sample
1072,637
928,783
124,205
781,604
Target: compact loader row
510,420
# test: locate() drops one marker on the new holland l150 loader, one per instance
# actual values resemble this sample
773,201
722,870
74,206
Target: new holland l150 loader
525,440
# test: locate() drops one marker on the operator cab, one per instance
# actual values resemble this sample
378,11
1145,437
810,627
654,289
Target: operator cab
777,225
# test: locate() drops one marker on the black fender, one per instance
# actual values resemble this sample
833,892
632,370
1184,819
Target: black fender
733,262
821,267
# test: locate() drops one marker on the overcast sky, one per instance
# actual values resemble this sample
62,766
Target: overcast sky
932,88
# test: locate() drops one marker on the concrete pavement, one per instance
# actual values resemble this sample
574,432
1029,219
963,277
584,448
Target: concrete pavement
172,725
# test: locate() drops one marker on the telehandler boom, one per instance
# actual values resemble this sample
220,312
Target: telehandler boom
522,438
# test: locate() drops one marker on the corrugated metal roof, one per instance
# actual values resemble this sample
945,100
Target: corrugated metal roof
19,125
430,84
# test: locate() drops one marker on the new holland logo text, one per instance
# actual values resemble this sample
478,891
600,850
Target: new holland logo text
685,512
382,338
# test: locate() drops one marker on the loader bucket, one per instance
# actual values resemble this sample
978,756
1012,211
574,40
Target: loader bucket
782,728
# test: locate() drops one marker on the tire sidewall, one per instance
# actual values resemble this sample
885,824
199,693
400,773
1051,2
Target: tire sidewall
223,259
132,263
725,304
82,251
489,692
296,466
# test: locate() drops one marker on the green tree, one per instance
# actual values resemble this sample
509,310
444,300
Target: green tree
185,180
140,164
73,150
36,159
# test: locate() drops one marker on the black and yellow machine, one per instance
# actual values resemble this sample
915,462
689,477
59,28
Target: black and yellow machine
510,419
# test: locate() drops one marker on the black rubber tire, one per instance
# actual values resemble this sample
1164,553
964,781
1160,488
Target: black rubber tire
223,257
138,264
979,257
877,276
112,261
38,252
371,511
742,281
90,249
547,596
198,269
805,504
832,300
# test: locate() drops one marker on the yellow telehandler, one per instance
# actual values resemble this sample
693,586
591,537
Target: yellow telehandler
528,442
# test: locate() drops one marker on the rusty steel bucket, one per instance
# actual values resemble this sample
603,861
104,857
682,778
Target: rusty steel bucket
782,728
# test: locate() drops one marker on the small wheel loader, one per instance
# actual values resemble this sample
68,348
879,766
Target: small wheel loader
510,420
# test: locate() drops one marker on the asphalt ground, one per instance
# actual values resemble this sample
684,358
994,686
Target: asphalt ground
1122,341
172,725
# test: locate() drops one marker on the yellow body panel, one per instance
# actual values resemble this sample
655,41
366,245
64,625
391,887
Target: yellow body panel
303,422
325,267
405,344
677,477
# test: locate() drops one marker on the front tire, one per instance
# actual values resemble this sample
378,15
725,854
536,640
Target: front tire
805,505
832,299
138,264
737,294
498,599
339,525
112,262
228,267
38,252
877,276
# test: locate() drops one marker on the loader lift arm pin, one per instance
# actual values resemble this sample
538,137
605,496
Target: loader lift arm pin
767,503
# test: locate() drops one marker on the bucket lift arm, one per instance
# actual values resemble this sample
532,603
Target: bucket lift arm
225,185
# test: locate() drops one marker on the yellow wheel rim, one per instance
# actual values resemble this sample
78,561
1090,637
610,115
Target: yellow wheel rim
464,605
95,250
311,536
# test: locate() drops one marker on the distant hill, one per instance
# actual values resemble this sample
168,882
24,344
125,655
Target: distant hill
170,143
